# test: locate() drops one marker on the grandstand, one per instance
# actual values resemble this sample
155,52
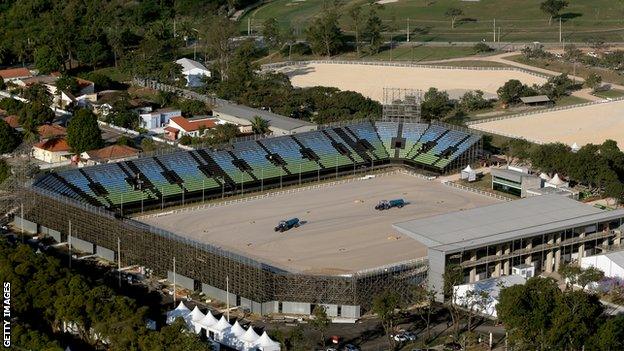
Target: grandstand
155,181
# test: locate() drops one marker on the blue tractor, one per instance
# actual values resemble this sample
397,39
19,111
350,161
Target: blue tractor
386,205
285,225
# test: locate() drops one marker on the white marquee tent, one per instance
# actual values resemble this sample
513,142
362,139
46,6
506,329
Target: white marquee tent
469,174
193,318
249,339
265,343
179,312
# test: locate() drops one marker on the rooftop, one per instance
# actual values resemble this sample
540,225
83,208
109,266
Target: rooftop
12,120
53,145
190,125
248,113
14,73
510,174
188,64
112,152
51,130
502,222
535,99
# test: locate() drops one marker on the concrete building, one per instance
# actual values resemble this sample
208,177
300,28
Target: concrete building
541,231
514,180
13,74
193,71
279,125
158,118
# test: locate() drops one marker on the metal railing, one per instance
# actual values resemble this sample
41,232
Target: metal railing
274,66
546,110
475,190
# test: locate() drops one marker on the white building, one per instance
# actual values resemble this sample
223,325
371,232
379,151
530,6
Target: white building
612,263
483,296
179,126
193,71
158,118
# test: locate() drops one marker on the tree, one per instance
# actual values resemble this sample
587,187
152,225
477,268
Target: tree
590,275
385,306
355,13
222,133
83,132
259,125
324,34
436,104
38,94
31,116
271,33
552,8
517,149
453,275
219,44
424,299
474,100
528,312
67,83
46,60
3,85
593,81
453,13
372,31
512,91
320,321
558,86
574,321
482,47
5,170
610,335
148,145
9,138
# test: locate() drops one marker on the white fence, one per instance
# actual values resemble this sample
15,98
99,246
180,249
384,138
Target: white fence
476,191
273,66
546,110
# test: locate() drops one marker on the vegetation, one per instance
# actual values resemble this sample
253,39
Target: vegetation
45,296
9,138
320,322
83,132
385,306
552,8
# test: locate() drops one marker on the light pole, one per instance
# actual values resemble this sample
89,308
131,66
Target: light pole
162,199
203,190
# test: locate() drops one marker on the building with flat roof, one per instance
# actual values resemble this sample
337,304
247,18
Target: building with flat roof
514,181
279,125
543,231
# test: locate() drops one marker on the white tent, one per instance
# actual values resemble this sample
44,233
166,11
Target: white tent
575,147
468,173
544,176
208,321
180,311
249,338
221,329
556,182
237,330
483,295
264,343
192,318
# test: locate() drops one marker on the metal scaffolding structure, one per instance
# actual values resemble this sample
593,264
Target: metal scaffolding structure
401,104
206,264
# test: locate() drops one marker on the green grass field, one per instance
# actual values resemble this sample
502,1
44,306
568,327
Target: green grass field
609,94
518,20
608,76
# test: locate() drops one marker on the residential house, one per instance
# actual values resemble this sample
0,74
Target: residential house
193,71
13,74
52,150
180,126
13,121
112,153
159,118
50,131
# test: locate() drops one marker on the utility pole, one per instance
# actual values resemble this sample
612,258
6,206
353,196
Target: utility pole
227,297
494,29
119,260
560,29
69,242
174,283
408,31
249,26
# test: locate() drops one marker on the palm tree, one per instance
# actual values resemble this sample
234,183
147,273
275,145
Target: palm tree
259,125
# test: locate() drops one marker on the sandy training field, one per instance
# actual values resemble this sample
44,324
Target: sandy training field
370,80
589,124
342,231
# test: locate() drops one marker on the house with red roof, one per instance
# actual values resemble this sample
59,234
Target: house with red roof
48,131
108,154
180,126
12,74
52,150
13,121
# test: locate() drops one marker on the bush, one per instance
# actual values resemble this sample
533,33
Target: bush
482,47
300,49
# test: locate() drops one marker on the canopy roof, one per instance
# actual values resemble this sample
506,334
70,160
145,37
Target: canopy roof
222,325
237,330
556,180
266,343
544,176
468,169
196,315
208,320
180,311
250,336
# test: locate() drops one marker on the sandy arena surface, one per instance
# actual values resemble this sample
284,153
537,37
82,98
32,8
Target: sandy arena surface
370,80
590,124
342,231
